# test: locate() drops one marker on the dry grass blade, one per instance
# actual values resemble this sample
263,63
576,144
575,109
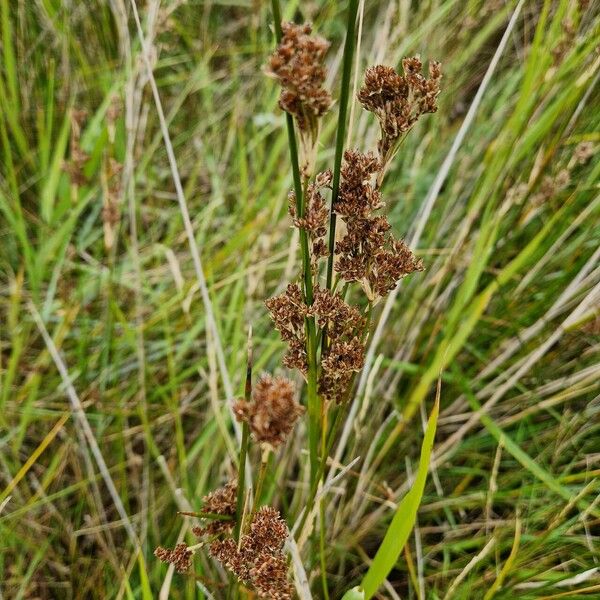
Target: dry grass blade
84,425
189,230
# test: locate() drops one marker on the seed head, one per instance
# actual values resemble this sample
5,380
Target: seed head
288,312
273,411
368,253
333,313
298,65
180,557
259,561
221,501
389,266
399,100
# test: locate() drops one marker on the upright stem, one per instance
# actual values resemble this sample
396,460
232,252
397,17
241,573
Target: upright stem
313,402
264,463
239,507
341,132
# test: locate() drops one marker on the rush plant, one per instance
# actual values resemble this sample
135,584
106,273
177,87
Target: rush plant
350,261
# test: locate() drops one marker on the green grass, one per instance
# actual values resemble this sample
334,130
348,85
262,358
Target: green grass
507,310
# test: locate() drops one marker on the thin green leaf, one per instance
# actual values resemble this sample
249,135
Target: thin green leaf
405,516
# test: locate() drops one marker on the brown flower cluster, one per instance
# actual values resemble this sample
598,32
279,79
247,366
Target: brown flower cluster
273,411
288,312
345,354
298,65
258,560
343,323
368,253
399,100
180,557
316,215
221,501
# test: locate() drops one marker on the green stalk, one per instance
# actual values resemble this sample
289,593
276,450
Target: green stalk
239,507
264,463
341,133
313,402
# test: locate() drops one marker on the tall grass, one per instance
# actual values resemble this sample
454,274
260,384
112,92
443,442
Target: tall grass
507,310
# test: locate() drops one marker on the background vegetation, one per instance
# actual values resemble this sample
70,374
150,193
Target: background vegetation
502,199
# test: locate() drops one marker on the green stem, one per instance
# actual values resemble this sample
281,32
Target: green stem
321,470
341,132
261,480
313,402
239,507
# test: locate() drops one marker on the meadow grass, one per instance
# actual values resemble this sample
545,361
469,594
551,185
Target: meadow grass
507,313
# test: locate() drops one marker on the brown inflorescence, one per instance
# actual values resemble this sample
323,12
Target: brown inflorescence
298,65
368,253
316,215
273,411
288,312
258,560
180,557
343,323
399,100
221,501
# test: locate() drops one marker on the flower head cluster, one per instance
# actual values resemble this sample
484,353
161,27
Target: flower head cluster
298,65
316,215
180,557
288,312
345,354
258,560
399,100
221,501
273,411
343,324
368,253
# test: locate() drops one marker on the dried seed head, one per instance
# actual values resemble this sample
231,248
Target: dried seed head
343,359
297,64
389,266
357,197
367,252
288,312
333,313
273,411
180,557
584,151
315,214
221,501
259,561
399,100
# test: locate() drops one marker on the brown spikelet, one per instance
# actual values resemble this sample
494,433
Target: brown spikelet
273,411
298,65
333,313
288,312
258,561
389,266
221,501
399,100
180,557
368,253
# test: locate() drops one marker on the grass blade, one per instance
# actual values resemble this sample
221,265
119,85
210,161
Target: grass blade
405,516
